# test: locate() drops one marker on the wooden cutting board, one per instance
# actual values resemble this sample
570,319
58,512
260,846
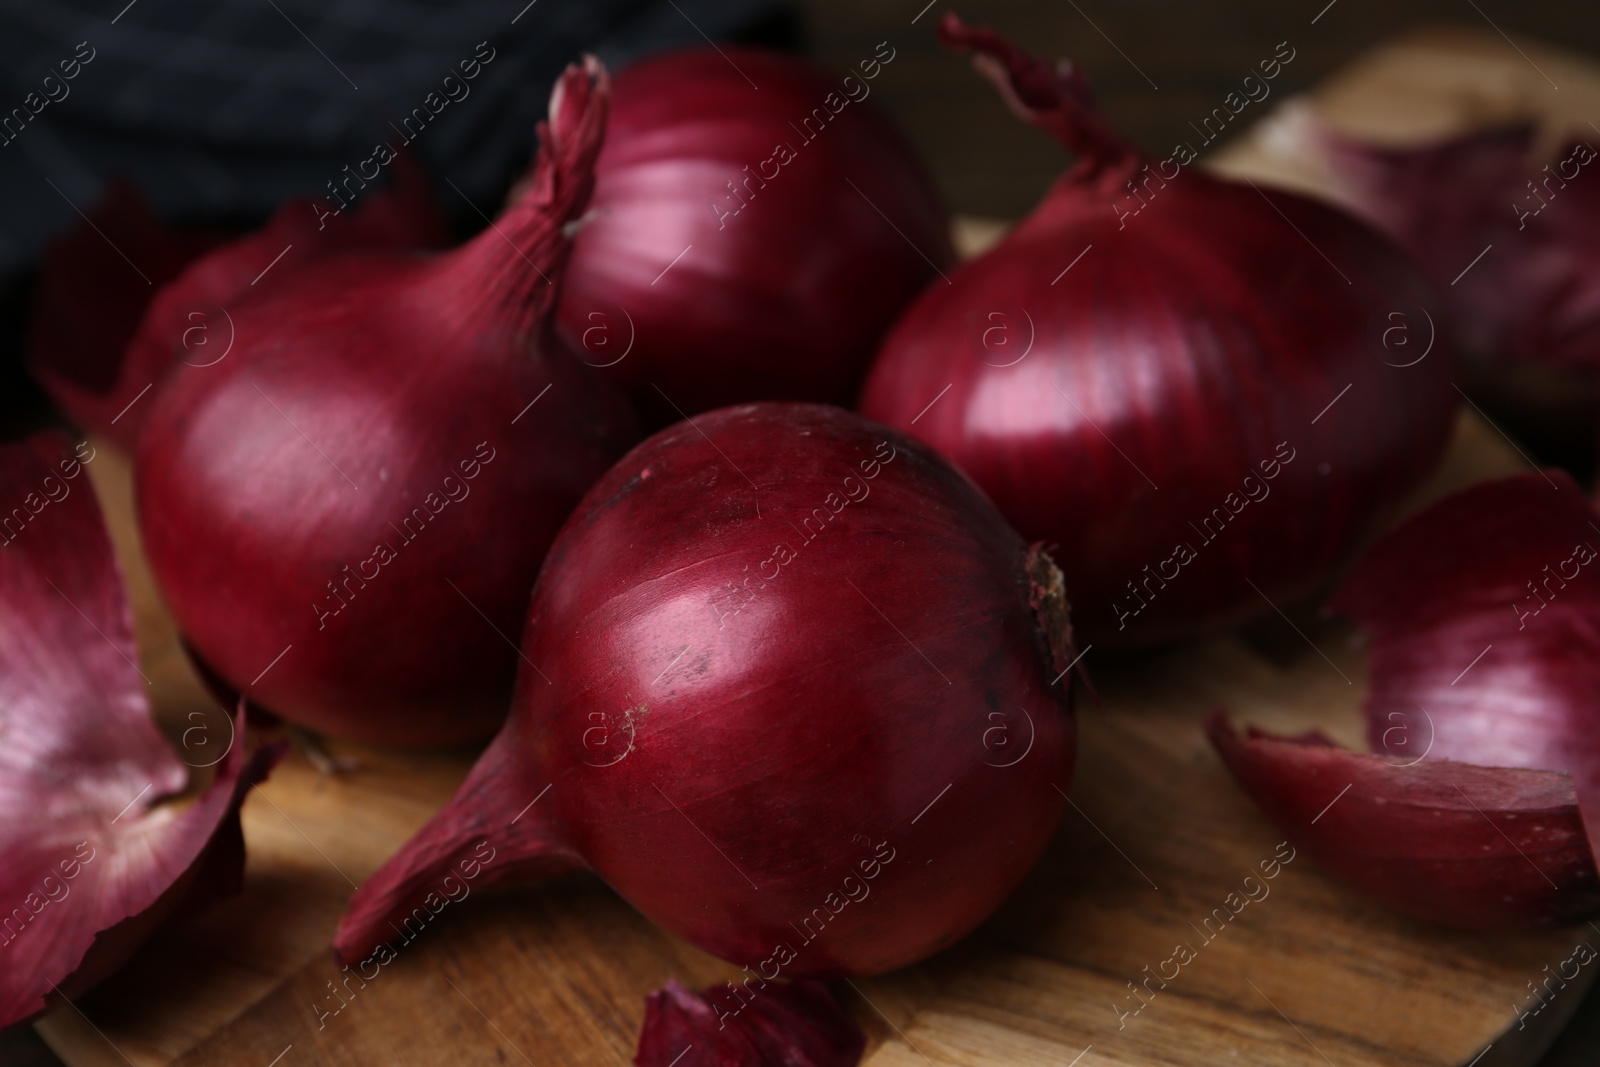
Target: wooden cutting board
1157,837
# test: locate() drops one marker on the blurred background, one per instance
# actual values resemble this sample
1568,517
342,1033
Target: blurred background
219,111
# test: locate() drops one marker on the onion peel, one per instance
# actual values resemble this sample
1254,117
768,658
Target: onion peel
1468,846
1482,804
90,860
1483,200
797,1024
101,386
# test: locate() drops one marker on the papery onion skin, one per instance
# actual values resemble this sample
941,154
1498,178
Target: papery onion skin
1480,615
1480,848
1511,241
89,300
1482,811
796,1024
1535,293
787,298
1201,413
90,861
346,514
880,718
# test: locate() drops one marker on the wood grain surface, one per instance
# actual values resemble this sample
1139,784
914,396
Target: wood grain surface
1156,838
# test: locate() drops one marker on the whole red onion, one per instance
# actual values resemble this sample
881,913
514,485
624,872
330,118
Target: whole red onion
756,226
1203,393
790,690
347,513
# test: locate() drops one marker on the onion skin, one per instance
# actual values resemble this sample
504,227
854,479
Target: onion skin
796,1024
343,512
788,298
1113,408
1480,848
89,857
730,758
1475,699
1439,591
1534,294
1512,247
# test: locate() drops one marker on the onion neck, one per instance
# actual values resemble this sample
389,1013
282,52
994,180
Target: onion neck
509,274
499,827
1047,595
1056,98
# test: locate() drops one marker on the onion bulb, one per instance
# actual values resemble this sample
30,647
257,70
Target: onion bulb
1204,394
792,687
756,226
102,368
346,514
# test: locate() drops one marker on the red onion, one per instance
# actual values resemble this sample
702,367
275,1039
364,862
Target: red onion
1511,239
347,513
1204,393
789,690
190,319
121,254
100,368
1480,807
796,1024
803,220
90,862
